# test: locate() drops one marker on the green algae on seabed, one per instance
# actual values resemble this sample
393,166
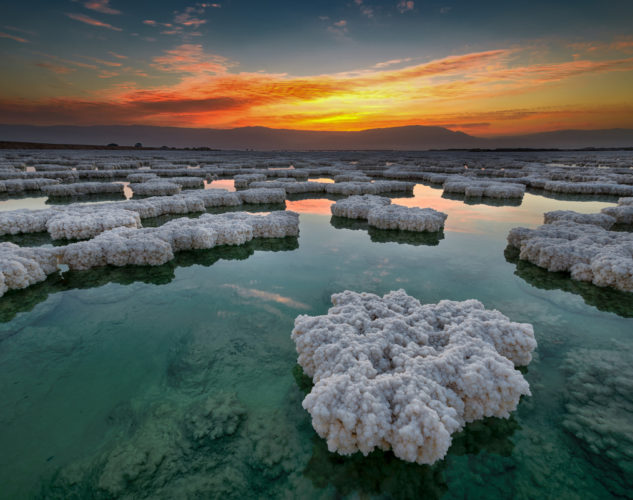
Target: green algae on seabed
179,381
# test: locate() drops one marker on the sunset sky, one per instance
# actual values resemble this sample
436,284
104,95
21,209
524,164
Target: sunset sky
482,67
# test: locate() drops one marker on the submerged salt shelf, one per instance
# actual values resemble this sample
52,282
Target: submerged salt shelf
180,379
390,373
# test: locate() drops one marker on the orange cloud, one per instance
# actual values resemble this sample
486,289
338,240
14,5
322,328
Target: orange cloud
13,37
92,22
101,6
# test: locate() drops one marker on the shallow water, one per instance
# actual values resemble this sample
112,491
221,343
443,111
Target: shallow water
181,381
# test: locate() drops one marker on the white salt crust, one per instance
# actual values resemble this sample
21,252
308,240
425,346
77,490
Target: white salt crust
22,267
157,245
82,188
588,252
84,224
155,187
602,220
391,373
471,187
380,213
376,187
623,213
263,195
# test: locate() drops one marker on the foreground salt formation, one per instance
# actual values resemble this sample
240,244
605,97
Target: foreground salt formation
380,213
390,373
155,187
22,267
82,188
588,252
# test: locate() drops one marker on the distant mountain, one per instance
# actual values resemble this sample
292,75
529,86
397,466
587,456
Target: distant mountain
261,138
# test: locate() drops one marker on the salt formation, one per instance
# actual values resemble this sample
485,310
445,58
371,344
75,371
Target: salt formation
588,188
157,245
87,223
406,218
377,187
601,220
144,177
390,373
243,180
20,185
623,213
481,188
185,182
22,267
358,207
157,187
82,188
263,195
24,221
381,214
588,252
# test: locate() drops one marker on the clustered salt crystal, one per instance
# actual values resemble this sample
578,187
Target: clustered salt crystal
391,373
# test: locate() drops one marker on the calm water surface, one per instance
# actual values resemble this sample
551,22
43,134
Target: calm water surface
181,381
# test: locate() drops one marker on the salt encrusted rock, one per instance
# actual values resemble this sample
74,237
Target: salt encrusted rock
358,207
482,188
84,224
20,185
406,218
305,187
390,373
601,220
157,245
155,188
588,252
82,188
352,177
263,195
623,213
185,182
243,180
22,267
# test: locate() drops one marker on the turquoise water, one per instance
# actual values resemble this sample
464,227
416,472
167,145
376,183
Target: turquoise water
181,381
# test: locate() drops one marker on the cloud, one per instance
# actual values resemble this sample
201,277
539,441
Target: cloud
20,30
189,16
55,68
13,37
190,58
92,22
101,6
103,62
118,56
338,28
392,62
405,6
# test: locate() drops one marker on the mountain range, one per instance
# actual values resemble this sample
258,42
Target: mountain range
411,138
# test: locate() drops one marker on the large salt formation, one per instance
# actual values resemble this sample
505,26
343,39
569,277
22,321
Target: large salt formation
82,188
157,245
602,220
391,373
588,252
380,213
22,267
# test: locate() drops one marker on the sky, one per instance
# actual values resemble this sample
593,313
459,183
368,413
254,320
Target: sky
486,68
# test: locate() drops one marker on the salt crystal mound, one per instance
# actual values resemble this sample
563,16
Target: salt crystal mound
156,245
144,177
22,267
623,213
82,188
243,180
406,218
291,186
588,252
35,221
21,185
481,188
376,187
588,188
87,223
262,195
602,220
153,187
185,182
391,373
358,207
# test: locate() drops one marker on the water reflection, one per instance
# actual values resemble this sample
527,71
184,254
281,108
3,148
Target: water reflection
388,236
16,301
602,298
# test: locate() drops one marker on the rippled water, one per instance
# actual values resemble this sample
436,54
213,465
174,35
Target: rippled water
181,381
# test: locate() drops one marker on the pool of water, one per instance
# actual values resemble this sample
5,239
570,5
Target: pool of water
180,381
